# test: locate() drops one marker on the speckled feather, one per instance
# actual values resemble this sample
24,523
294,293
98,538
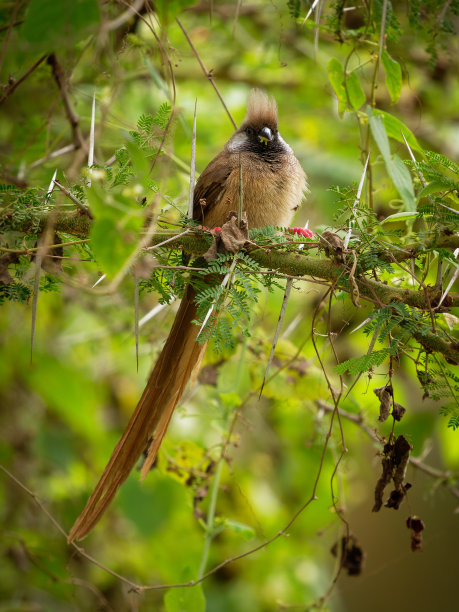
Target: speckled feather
274,183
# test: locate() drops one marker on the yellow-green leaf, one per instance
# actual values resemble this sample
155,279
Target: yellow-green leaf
354,91
393,76
336,78
395,128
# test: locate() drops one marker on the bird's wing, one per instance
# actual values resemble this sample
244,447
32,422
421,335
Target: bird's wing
211,185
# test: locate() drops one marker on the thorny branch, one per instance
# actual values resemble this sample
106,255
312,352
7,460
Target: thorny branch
305,267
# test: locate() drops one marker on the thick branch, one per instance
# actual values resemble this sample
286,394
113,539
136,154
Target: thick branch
298,264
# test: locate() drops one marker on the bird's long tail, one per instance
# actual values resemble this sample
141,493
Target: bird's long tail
180,356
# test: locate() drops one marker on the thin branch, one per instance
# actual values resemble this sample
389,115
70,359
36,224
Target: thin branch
57,153
61,82
62,531
9,90
358,419
74,199
207,73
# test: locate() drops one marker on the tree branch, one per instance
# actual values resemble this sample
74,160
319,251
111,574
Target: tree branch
299,265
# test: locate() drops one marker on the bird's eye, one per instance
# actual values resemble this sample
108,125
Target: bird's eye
249,131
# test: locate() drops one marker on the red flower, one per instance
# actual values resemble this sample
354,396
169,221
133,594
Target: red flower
301,231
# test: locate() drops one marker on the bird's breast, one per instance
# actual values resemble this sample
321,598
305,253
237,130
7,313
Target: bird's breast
272,191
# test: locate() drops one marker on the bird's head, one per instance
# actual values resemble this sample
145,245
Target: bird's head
258,132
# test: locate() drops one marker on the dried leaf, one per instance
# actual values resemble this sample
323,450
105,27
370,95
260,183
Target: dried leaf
417,526
352,555
333,245
394,463
397,496
384,394
382,483
231,238
398,411
401,454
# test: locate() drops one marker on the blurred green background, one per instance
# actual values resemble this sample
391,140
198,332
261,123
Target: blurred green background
62,414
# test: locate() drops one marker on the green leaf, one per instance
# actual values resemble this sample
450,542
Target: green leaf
435,187
401,178
393,76
380,135
168,10
354,91
395,128
362,364
403,216
51,25
246,531
185,599
336,78
396,169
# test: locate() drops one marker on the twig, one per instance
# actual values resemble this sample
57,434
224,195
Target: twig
51,246
164,52
62,531
236,15
91,139
382,32
358,420
74,120
11,25
210,521
207,73
9,90
57,153
74,199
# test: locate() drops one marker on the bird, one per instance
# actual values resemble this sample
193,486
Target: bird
274,185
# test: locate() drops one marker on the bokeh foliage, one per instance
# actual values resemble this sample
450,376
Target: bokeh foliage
341,95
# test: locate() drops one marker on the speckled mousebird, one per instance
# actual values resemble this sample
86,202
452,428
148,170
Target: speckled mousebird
274,185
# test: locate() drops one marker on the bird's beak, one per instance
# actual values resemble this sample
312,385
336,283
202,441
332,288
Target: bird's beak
265,135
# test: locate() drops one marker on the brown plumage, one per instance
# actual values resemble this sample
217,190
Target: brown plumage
273,186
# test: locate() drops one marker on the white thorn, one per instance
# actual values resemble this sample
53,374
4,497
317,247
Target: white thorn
51,186
356,201
310,11
367,320
99,280
153,312
91,138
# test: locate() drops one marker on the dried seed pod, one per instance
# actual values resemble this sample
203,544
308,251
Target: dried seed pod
384,394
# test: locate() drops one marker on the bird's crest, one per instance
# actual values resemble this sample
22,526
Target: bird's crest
261,110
